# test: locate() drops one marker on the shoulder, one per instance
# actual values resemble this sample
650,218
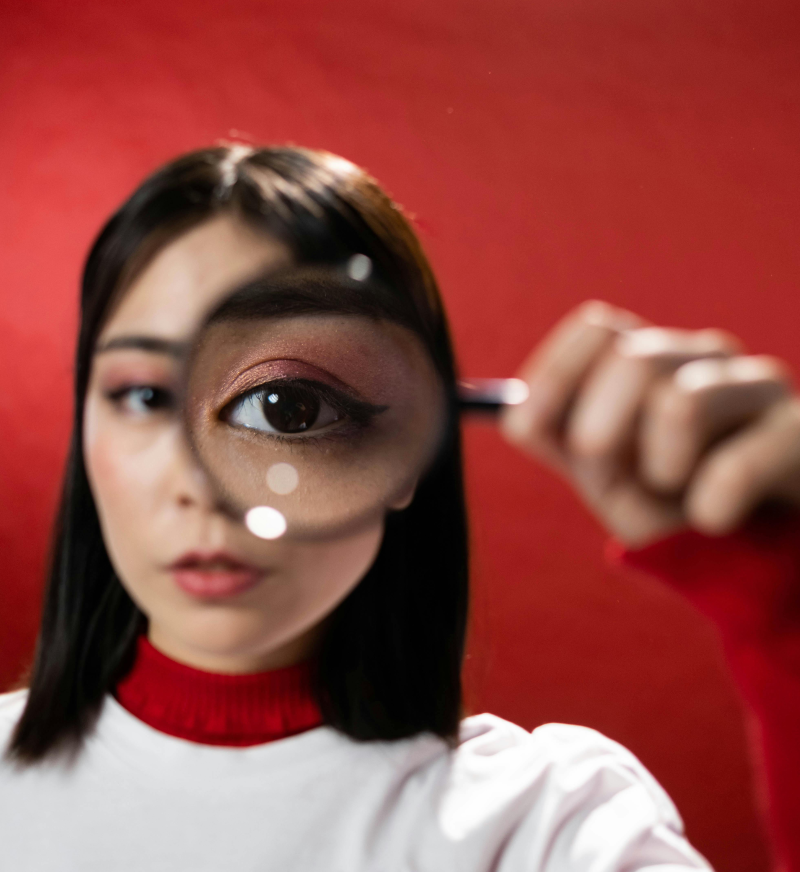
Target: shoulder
11,706
561,789
565,757
553,747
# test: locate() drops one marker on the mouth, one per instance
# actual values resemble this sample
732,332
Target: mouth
214,576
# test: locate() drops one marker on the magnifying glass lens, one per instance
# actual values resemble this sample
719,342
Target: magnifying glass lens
311,407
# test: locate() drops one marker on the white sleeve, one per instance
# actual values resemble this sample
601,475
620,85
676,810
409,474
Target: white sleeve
560,799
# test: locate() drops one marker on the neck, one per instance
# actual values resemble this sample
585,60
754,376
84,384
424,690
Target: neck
299,648
218,709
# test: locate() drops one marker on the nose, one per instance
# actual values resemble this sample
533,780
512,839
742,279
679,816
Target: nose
192,487
195,490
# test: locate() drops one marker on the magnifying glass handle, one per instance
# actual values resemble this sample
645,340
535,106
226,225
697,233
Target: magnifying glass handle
488,396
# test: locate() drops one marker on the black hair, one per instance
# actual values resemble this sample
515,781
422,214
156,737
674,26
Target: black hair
390,658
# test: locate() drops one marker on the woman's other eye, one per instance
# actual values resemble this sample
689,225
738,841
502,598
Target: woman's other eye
142,399
283,408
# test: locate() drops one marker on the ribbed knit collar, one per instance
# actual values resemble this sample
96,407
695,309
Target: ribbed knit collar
216,709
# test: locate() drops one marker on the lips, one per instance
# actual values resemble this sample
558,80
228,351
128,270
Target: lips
215,575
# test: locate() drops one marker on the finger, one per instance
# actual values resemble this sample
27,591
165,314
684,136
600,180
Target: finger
556,368
633,515
761,463
602,420
700,403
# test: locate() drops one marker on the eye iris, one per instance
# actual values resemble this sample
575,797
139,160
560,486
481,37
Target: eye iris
290,411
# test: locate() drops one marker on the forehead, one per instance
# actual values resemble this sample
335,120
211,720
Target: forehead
185,278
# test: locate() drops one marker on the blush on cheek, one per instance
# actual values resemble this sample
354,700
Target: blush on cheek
107,480
104,452
129,478
106,470
96,455
128,469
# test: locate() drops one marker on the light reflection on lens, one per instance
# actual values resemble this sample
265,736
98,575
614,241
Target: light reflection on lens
282,478
359,267
265,522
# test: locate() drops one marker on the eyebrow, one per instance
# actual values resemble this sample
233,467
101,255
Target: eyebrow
310,291
151,344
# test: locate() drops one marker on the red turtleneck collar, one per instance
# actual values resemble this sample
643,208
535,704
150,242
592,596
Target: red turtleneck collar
215,709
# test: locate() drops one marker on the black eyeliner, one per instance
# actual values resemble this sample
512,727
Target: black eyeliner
359,411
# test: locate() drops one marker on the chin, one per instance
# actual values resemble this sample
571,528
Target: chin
227,640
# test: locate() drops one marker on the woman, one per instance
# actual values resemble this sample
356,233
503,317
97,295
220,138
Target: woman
202,698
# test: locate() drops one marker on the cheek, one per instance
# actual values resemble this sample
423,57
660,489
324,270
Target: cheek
315,578
328,572
126,466
347,561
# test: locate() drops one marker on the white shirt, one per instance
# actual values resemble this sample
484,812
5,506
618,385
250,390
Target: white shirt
559,799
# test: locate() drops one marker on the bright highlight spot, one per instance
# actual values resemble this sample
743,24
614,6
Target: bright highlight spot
359,267
265,522
282,478
491,393
515,391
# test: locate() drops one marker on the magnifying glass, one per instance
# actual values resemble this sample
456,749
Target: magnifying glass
314,406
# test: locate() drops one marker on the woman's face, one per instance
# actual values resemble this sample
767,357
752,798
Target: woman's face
215,596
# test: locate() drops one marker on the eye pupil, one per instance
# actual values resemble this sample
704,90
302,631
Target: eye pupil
289,410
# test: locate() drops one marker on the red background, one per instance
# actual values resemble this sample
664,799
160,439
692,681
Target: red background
551,151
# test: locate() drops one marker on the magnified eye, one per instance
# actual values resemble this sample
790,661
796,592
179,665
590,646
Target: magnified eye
283,408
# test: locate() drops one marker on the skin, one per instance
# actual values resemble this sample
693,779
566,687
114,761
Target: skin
154,503
659,429
633,416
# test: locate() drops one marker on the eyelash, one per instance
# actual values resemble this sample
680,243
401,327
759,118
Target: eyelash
359,412
164,398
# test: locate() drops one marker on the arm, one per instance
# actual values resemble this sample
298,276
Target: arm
674,439
560,799
748,585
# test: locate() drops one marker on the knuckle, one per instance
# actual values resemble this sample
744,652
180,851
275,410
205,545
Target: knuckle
592,310
667,342
697,376
720,340
588,314
761,367
598,313
642,342
707,375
